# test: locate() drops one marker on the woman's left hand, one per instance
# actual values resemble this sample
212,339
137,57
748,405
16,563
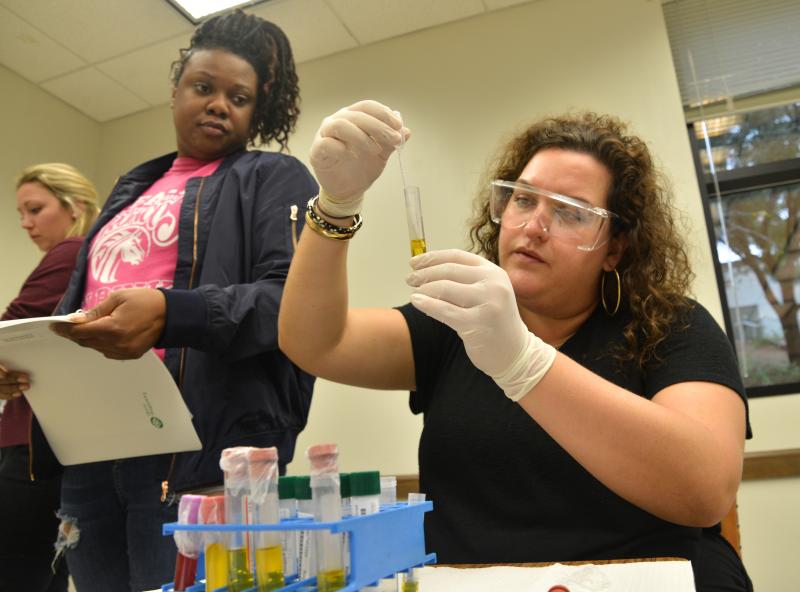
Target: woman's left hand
123,326
475,298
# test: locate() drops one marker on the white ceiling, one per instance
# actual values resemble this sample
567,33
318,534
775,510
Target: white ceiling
110,58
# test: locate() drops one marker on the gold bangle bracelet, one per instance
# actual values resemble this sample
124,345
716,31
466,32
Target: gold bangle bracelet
316,227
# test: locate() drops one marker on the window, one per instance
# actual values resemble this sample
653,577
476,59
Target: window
753,211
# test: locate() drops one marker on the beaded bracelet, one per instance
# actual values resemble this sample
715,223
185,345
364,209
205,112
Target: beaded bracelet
325,228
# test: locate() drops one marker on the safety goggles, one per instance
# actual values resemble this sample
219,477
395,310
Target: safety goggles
514,205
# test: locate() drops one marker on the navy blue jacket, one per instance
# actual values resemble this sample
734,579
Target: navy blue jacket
237,232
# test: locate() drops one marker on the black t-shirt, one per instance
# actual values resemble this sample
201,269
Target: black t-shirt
505,492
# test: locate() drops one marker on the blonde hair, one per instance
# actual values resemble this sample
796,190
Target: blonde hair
70,187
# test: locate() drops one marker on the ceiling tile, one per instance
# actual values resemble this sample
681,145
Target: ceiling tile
95,94
146,71
97,30
373,20
312,27
31,54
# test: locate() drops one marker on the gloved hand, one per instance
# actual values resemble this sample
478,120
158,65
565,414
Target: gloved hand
475,298
350,151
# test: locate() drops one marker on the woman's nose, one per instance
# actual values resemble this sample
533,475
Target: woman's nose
217,105
538,225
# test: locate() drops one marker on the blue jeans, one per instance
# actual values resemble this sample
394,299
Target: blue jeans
115,514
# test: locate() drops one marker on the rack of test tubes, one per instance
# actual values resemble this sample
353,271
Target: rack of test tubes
318,533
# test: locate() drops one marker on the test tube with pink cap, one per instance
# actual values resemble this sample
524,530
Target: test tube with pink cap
233,463
327,501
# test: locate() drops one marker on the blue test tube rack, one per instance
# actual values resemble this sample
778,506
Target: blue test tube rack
381,544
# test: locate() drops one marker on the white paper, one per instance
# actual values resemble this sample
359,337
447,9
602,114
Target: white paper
92,408
648,576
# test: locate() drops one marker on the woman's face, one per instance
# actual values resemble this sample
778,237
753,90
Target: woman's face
213,104
45,219
552,276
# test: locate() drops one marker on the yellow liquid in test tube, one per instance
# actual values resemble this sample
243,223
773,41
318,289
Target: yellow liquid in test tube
410,586
216,566
418,247
239,576
269,568
328,581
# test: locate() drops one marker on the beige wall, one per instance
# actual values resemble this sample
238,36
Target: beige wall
462,87
36,128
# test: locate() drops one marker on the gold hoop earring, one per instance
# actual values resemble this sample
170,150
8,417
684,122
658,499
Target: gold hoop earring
603,293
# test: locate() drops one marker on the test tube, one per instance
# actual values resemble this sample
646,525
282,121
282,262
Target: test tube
262,467
365,491
287,507
416,230
388,490
306,553
327,498
233,463
410,579
212,511
188,542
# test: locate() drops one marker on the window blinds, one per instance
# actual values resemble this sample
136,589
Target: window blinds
739,47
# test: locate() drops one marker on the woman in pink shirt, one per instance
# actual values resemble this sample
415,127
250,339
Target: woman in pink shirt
57,206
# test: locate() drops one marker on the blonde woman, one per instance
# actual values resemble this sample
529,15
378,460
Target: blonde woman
57,206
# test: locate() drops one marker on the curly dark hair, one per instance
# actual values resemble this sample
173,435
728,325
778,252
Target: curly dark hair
655,267
265,47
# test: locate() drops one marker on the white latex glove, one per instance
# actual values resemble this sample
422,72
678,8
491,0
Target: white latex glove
475,298
349,152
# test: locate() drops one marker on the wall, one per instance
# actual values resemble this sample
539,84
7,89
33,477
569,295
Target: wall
36,128
462,88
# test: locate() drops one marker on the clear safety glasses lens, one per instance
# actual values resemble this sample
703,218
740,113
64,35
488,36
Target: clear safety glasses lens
514,205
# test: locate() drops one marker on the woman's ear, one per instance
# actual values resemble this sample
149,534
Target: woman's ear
616,248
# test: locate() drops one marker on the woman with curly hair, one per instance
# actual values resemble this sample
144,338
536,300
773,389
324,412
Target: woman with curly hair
189,256
578,405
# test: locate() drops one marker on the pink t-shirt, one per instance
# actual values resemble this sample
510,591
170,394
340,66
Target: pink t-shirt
138,248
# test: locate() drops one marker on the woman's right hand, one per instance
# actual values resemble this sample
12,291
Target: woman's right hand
350,151
13,383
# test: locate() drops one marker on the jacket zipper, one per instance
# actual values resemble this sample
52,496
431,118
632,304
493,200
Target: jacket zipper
293,218
165,482
30,448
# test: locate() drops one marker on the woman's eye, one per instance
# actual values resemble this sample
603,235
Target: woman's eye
201,87
524,202
239,100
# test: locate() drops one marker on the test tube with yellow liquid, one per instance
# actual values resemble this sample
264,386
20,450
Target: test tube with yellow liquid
327,500
233,463
263,471
416,231
212,511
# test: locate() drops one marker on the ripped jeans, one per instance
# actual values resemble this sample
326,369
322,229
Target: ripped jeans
111,516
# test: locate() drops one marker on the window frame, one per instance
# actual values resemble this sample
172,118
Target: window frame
750,178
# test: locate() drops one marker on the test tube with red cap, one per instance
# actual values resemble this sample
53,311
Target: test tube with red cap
189,543
212,511
233,463
263,471
327,501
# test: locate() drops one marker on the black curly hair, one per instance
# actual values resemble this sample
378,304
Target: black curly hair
265,47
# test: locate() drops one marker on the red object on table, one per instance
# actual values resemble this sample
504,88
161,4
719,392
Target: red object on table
185,570
558,588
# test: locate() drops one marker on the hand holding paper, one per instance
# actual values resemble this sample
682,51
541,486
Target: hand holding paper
122,327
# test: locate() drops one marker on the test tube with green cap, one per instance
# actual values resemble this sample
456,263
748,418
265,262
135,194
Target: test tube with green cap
287,504
365,492
306,555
